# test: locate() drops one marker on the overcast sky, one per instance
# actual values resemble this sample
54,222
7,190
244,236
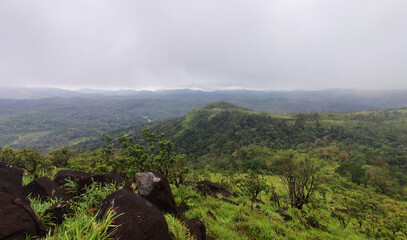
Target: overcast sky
205,44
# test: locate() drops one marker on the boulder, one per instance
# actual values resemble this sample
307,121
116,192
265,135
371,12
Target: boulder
11,180
212,189
62,176
285,216
45,188
103,179
137,218
341,210
255,200
17,219
58,212
211,215
196,228
229,201
155,188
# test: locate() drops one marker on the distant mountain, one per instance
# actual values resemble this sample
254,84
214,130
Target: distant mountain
36,93
69,117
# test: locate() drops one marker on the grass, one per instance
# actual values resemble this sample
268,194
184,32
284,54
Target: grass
232,221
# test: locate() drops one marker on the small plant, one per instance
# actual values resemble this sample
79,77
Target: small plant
84,226
253,185
177,228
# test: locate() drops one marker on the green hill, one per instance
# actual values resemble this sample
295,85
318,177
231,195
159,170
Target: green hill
224,135
328,175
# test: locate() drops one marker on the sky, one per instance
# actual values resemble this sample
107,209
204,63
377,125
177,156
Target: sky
204,44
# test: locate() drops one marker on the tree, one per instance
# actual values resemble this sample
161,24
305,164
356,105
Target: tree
156,157
60,157
300,178
27,159
253,185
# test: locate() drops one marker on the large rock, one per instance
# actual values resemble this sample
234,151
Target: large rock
58,212
11,180
196,228
17,219
138,219
62,176
103,179
155,188
45,188
212,189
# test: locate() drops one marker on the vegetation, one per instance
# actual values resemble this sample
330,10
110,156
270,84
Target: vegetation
56,118
322,175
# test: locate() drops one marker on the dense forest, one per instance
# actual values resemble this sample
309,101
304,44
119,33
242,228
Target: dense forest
325,175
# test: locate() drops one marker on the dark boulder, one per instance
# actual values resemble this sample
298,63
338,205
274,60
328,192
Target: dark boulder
103,179
255,200
138,219
58,212
211,215
155,188
212,189
341,210
62,176
229,201
45,188
284,215
182,208
196,228
11,180
17,219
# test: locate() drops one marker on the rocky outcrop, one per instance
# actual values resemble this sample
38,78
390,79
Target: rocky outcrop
11,180
196,228
211,189
58,212
62,176
137,218
155,188
45,188
103,179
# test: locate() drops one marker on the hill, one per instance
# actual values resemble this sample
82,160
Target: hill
223,135
68,117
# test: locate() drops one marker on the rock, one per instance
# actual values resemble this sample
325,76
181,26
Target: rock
155,188
211,189
285,216
196,228
62,176
340,210
11,180
17,219
255,200
229,201
103,179
58,212
182,208
211,215
138,218
45,188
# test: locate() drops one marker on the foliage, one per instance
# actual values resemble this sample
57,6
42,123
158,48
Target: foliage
27,159
300,178
253,184
178,228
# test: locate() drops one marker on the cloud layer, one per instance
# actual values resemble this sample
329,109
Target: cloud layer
296,44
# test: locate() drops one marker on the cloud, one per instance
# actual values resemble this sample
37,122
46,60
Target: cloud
208,44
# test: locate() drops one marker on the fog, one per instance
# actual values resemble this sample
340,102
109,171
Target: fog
208,45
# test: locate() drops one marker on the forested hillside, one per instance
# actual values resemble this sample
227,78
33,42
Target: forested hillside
369,147
57,118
